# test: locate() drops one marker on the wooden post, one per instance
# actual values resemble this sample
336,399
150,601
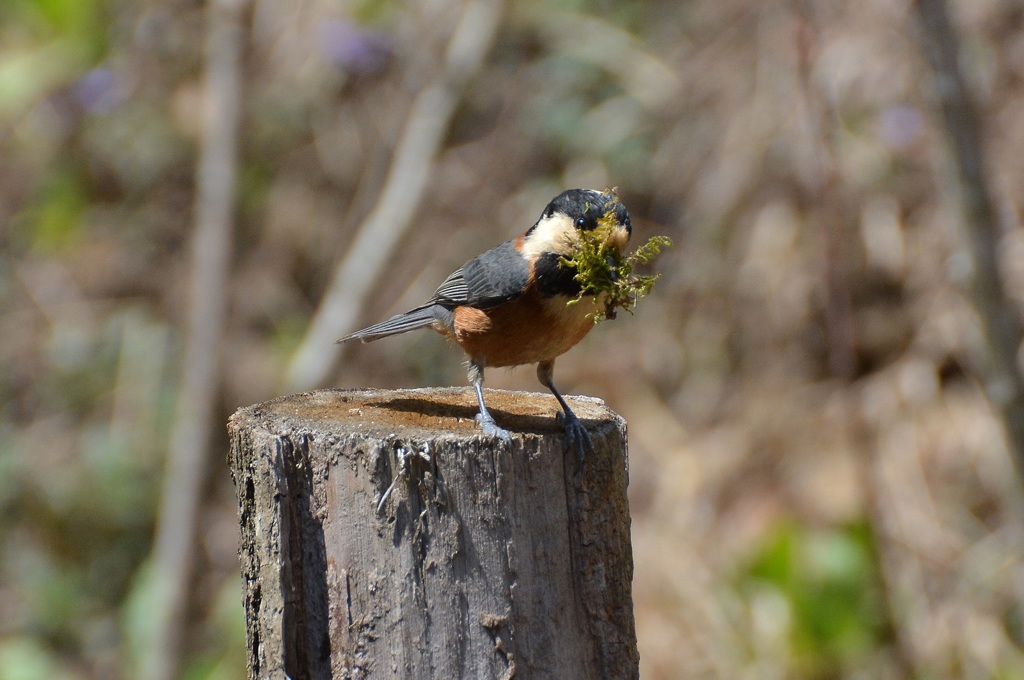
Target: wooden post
383,536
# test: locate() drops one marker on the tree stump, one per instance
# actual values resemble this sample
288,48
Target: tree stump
383,536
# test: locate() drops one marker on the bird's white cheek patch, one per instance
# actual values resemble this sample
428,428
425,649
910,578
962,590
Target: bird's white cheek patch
555,234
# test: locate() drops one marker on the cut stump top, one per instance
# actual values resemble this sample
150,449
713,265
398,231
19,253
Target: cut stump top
424,413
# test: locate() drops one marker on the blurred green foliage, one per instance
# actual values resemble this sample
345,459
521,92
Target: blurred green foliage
28,658
82,20
371,12
54,219
829,583
47,43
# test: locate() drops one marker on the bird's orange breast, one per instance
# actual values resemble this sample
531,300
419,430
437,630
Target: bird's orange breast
527,330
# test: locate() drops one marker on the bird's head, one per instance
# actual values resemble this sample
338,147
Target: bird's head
573,212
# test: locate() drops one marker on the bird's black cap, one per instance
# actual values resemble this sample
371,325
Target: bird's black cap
587,206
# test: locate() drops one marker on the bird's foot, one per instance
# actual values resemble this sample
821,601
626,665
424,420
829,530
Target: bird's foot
491,429
576,437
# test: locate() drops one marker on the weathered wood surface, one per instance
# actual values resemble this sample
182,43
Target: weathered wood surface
382,536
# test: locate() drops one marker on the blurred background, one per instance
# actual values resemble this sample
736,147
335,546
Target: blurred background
191,192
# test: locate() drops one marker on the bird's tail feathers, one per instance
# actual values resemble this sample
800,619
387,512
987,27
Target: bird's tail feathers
399,323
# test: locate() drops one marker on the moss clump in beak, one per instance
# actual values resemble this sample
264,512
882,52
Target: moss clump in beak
605,274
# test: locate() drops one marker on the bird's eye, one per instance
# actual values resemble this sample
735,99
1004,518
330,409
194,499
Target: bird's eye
581,222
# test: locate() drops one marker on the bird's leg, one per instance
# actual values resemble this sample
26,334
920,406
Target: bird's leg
576,436
484,418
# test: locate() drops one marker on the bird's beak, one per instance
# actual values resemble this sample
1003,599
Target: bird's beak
613,265
617,238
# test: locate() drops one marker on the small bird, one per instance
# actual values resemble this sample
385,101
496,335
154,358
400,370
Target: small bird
508,306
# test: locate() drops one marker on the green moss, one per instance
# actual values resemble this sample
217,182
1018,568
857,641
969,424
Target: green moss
603,272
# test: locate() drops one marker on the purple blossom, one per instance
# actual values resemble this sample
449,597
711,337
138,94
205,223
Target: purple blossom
899,127
354,48
99,90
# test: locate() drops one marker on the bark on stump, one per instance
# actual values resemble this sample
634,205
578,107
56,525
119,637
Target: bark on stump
383,536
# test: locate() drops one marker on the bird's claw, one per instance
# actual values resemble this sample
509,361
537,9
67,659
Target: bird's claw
491,429
576,437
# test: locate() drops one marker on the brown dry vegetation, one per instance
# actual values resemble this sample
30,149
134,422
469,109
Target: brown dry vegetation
820,487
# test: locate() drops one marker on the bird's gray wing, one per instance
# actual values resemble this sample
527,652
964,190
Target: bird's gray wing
497,276
488,280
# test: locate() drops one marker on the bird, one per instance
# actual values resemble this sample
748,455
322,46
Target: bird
509,306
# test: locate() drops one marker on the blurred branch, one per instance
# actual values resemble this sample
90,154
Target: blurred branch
824,190
1000,322
355,278
211,255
